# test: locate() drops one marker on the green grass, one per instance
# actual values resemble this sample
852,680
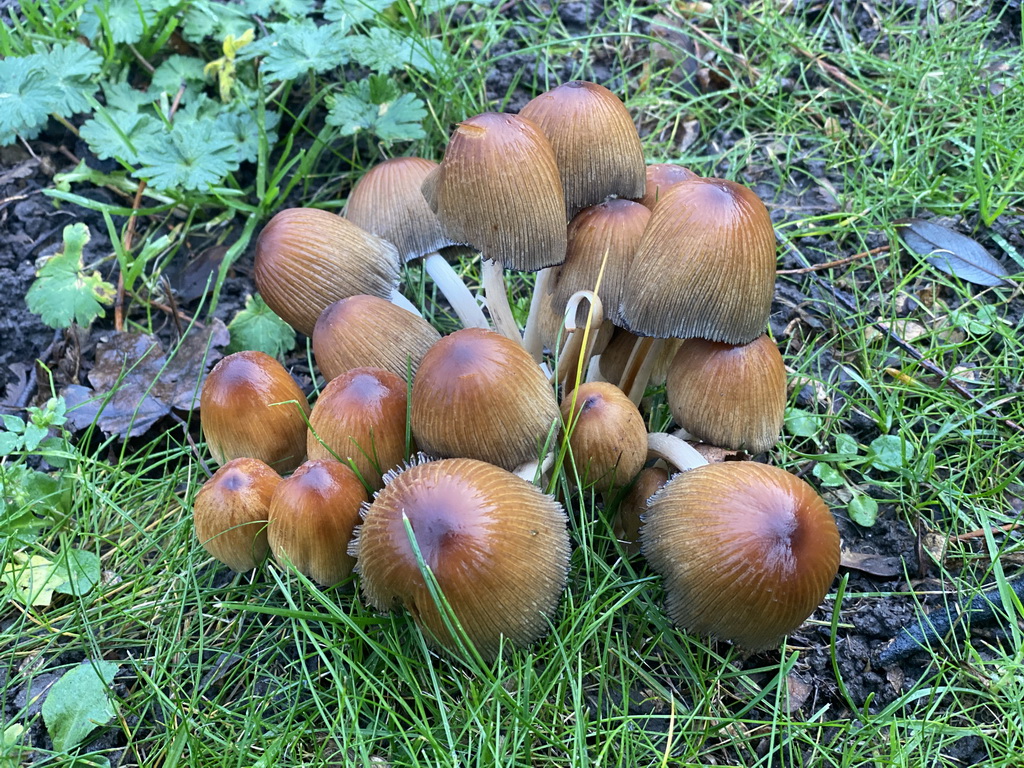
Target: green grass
267,669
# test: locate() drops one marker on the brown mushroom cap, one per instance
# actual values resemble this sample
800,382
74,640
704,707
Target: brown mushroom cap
387,201
497,546
661,176
247,409
480,395
498,190
747,551
370,332
307,258
596,144
607,233
705,267
313,514
730,396
361,417
607,435
633,506
230,513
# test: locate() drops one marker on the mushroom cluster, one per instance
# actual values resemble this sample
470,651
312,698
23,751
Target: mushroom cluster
644,273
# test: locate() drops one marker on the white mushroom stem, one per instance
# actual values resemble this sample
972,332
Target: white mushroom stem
532,471
399,300
532,341
639,366
450,285
579,344
497,299
676,452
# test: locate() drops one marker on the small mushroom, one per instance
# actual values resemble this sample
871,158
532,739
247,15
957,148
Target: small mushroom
388,202
747,551
607,435
705,266
250,406
480,395
369,332
360,417
732,396
497,546
633,506
230,513
661,176
307,258
313,514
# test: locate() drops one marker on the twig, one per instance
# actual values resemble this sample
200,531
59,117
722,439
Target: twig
836,263
949,620
979,532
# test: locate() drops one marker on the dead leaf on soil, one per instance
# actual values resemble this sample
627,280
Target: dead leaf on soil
874,565
135,382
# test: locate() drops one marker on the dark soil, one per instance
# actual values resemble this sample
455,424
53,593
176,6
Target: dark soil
805,309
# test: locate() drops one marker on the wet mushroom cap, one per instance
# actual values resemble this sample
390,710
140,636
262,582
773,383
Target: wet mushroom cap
728,395
497,546
498,189
661,176
480,395
251,406
607,435
361,417
746,551
307,258
596,144
313,514
705,266
370,332
230,513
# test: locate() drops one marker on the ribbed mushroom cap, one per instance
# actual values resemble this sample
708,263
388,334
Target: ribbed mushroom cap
747,551
633,506
705,267
498,190
313,514
607,435
497,546
661,176
730,396
596,144
307,258
245,410
613,228
361,416
480,395
230,513
370,332
387,201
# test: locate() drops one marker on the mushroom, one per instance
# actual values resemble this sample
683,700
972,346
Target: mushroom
705,266
480,395
307,258
747,551
661,176
250,406
388,202
732,396
496,546
607,436
498,189
633,506
596,145
369,332
360,418
230,513
313,514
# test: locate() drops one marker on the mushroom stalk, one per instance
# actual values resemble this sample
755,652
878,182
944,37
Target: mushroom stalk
676,452
497,299
579,344
399,300
532,471
455,291
639,366
532,341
